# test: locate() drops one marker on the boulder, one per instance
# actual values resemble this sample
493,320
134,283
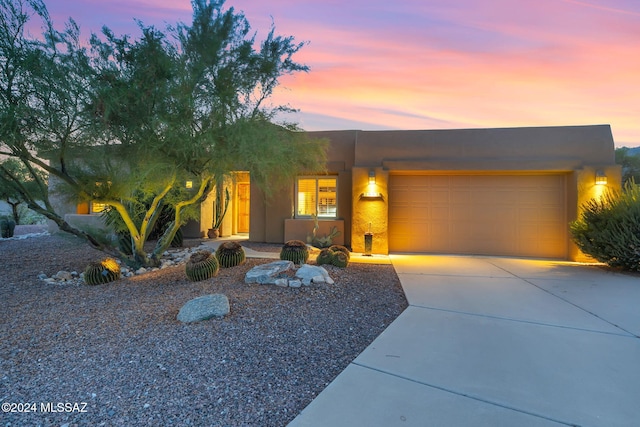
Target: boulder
204,308
313,274
267,274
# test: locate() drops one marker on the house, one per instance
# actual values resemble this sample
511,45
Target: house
504,191
507,191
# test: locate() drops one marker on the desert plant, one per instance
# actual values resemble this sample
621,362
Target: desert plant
334,255
202,265
230,254
7,227
321,242
101,272
609,228
295,251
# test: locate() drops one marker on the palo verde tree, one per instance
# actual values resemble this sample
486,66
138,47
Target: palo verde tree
127,122
14,175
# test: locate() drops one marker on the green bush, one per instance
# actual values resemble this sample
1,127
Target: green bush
609,228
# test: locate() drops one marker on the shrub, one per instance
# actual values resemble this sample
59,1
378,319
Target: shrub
230,254
295,251
7,227
609,229
202,265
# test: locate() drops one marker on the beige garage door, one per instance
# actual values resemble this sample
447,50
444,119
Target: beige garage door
519,215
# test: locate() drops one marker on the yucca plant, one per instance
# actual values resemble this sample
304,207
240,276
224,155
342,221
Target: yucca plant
202,265
101,272
295,251
230,254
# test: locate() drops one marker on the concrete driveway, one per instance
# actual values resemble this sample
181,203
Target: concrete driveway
490,341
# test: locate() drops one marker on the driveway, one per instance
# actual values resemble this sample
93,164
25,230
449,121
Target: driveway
489,341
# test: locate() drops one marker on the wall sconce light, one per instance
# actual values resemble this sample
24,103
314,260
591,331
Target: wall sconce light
188,184
371,188
601,178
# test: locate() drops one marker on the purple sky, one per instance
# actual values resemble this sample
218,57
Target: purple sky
435,64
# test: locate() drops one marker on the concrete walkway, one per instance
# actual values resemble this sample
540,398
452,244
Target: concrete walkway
496,342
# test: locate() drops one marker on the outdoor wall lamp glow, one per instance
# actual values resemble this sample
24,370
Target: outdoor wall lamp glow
371,188
601,178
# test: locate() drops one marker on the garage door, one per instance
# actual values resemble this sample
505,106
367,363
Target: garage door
517,215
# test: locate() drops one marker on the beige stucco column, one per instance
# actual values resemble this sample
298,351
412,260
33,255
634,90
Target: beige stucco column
370,209
588,189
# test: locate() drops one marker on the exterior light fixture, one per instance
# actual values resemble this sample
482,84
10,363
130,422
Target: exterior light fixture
372,177
601,178
188,184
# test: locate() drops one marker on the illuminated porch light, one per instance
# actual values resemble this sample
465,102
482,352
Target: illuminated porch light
372,177
601,178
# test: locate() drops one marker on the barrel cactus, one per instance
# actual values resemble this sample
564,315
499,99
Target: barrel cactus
7,227
230,254
101,272
202,265
295,251
334,255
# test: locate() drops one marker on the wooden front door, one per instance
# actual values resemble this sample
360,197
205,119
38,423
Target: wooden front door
244,198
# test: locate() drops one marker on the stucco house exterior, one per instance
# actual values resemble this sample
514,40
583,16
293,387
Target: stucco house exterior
503,191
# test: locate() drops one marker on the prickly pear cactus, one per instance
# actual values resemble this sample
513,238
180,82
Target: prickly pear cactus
295,251
202,265
230,254
105,271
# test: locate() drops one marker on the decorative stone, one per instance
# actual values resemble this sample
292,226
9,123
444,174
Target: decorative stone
282,282
312,273
63,275
295,283
204,308
266,274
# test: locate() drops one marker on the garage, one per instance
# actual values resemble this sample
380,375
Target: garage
488,214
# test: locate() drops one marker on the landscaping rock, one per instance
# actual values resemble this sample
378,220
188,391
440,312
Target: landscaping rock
267,274
313,274
204,308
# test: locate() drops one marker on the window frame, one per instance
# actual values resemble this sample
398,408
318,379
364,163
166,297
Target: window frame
318,199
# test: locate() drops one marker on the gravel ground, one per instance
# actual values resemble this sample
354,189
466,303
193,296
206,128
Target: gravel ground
118,351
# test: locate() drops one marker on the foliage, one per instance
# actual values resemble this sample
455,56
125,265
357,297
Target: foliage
7,226
629,159
125,122
337,255
321,242
202,265
230,254
105,271
295,251
609,228
13,176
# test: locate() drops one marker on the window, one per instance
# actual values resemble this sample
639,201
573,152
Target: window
98,207
316,196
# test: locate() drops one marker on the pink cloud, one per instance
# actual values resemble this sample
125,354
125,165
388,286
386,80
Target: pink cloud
441,63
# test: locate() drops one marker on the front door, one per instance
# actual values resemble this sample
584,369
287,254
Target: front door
244,198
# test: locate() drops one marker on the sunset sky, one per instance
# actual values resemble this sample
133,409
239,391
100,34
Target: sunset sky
434,64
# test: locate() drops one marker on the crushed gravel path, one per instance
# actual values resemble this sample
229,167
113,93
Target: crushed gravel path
118,351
